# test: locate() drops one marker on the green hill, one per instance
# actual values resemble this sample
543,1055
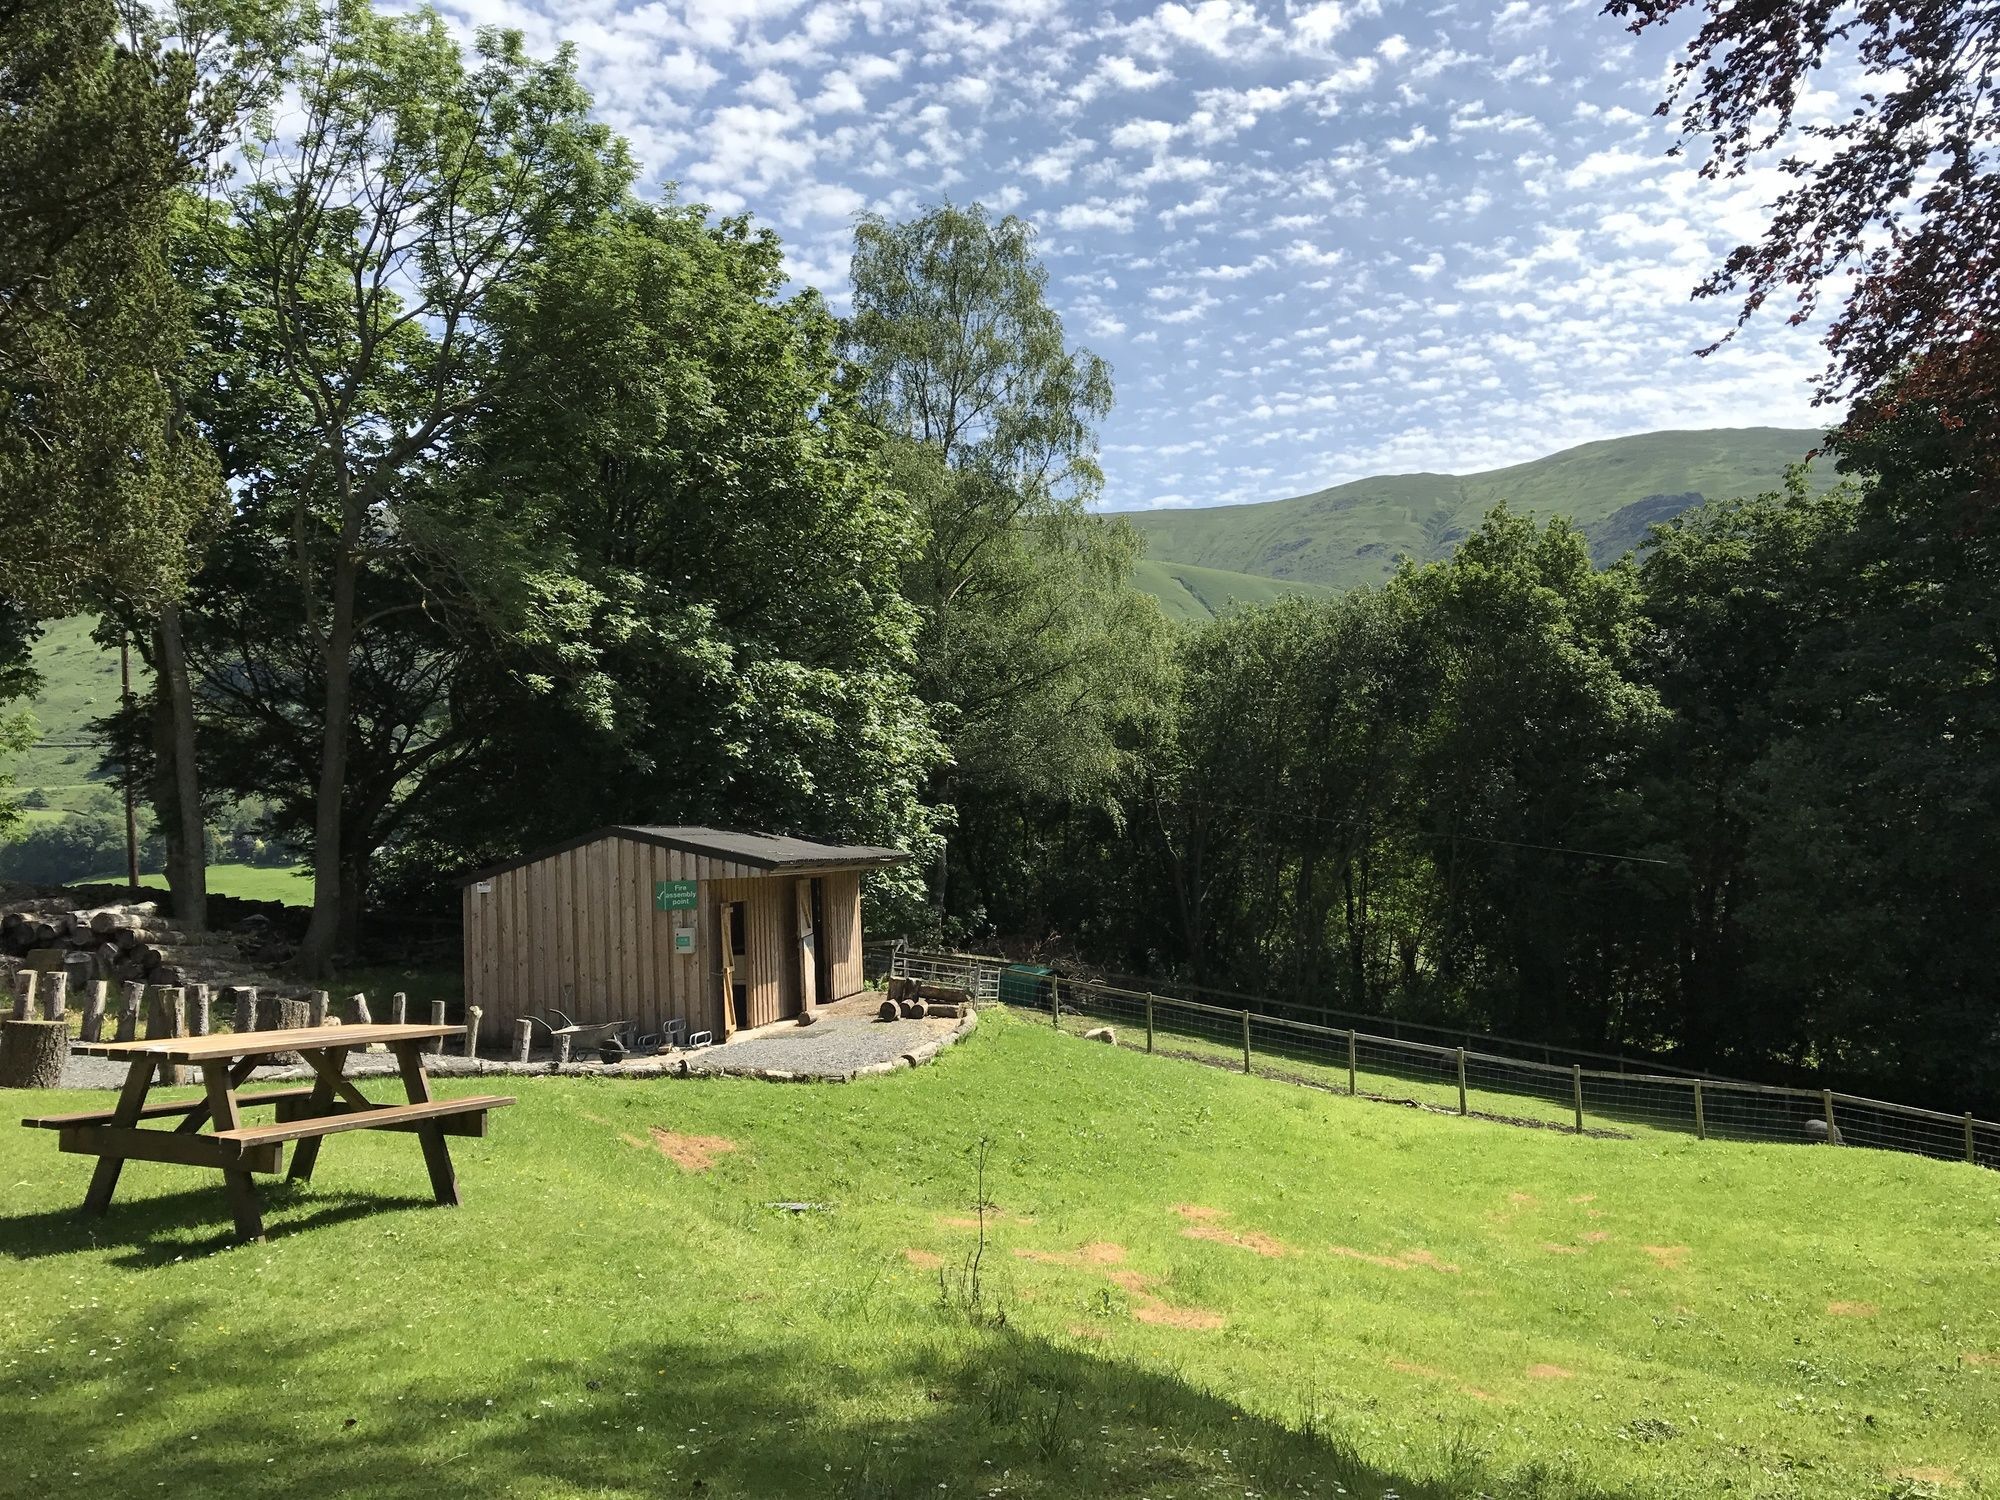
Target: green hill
79,684
1354,533
1189,593
1191,1283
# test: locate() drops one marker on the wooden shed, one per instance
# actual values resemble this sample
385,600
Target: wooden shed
721,930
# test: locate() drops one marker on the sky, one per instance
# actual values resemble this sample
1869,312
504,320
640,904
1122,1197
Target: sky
1315,240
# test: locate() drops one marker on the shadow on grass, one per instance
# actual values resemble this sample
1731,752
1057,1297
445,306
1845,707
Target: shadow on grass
951,1411
155,1230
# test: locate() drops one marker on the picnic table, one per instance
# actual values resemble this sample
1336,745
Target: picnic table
304,1115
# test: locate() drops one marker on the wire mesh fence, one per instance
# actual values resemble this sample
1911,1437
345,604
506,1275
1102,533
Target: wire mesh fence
1461,1079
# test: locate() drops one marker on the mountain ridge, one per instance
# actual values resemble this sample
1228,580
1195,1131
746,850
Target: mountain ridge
1354,532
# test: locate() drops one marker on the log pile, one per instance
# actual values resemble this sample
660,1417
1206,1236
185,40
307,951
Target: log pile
121,943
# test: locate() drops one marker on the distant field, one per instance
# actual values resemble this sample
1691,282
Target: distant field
1354,533
1187,593
291,884
1194,1284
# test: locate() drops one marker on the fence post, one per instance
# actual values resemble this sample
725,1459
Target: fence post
1969,1153
1461,1080
1055,1001
1246,1043
1700,1122
1350,1062
1149,1033
1576,1088
1832,1131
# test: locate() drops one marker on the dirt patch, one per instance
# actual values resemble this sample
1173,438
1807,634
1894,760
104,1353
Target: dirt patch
1597,1237
1194,1213
1099,1253
691,1153
1150,1307
1088,1331
1982,1361
1584,1198
1928,1474
1523,1200
1429,1373
1402,1261
971,1221
1550,1372
1669,1257
1262,1244
923,1260
1851,1309
1555,1249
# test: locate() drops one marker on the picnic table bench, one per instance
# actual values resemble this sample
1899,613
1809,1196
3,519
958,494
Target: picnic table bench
303,1115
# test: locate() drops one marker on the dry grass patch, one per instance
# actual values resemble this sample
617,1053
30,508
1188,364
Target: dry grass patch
1851,1309
1403,1260
691,1153
1669,1257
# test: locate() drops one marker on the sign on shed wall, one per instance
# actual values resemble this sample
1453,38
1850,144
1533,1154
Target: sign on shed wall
674,895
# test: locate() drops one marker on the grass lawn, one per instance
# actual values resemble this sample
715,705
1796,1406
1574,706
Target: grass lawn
1194,1284
291,884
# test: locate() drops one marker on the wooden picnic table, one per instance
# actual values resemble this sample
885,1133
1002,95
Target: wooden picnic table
305,1115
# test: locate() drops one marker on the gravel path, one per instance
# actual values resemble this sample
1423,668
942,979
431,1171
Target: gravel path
846,1040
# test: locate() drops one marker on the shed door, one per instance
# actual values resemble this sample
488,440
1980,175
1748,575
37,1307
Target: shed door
808,958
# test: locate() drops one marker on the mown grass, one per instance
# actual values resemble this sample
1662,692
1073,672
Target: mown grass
291,884
1448,1307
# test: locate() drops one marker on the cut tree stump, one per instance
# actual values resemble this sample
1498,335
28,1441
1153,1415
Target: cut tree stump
32,1054
275,1013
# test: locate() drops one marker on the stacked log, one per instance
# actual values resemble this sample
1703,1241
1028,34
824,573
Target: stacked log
127,943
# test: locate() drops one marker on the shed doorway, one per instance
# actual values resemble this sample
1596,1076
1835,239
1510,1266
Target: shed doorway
735,980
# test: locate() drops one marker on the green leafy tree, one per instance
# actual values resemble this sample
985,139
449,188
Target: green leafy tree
732,645
1033,648
376,225
101,481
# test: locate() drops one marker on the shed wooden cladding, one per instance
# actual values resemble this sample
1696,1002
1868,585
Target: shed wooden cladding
579,928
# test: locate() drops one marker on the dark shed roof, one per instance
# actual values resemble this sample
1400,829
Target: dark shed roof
775,852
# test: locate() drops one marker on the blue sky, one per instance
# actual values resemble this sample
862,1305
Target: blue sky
1315,241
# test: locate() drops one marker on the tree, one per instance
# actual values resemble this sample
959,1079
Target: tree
732,645
1033,649
1901,194
364,248
101,481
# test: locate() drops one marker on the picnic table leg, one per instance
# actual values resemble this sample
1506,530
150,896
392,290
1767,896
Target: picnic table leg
131,1099
437,1156
326,1068
222,1110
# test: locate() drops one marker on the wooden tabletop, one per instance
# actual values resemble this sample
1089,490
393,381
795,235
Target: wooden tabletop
260,1043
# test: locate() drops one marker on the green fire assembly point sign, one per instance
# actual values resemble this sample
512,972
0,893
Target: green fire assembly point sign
673,895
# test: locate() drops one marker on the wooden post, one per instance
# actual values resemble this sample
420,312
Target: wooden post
167,1019
358,1004
55,997
24,995
128,1013
1149,1021
399,1007
198,1010
1832,1130
316,1008
1246,1043
1970,1154
93,1010
246,1009
1461,1080
524,1037
563,1043
437,1019
1576,1087
1350,1062
473,1014
1700,1120
1055,1001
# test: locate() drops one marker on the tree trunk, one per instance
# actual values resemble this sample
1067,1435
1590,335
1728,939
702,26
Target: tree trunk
187,834
315,958
32,1053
